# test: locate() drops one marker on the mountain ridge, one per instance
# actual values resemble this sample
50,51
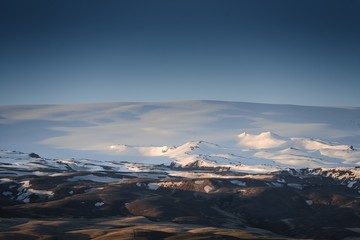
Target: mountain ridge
264,149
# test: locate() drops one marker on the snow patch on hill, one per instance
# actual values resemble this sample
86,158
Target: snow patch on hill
298,152
316,144
264,140
24,192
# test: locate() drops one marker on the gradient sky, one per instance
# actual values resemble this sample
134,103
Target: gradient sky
303,52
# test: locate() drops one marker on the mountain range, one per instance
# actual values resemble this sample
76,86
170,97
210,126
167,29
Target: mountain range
180,170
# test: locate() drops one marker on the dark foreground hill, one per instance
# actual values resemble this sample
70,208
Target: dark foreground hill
305,204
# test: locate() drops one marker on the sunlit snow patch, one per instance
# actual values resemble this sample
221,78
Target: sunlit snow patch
99,204
264,140
208,189
24,192
153,186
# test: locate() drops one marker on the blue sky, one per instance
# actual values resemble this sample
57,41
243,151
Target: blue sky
278,51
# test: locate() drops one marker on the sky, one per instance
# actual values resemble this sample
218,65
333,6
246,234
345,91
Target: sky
303,52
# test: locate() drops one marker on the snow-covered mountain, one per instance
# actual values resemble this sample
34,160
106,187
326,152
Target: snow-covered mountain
264,152
192,152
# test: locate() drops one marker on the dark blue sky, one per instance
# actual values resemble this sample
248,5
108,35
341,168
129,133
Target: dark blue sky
273,51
